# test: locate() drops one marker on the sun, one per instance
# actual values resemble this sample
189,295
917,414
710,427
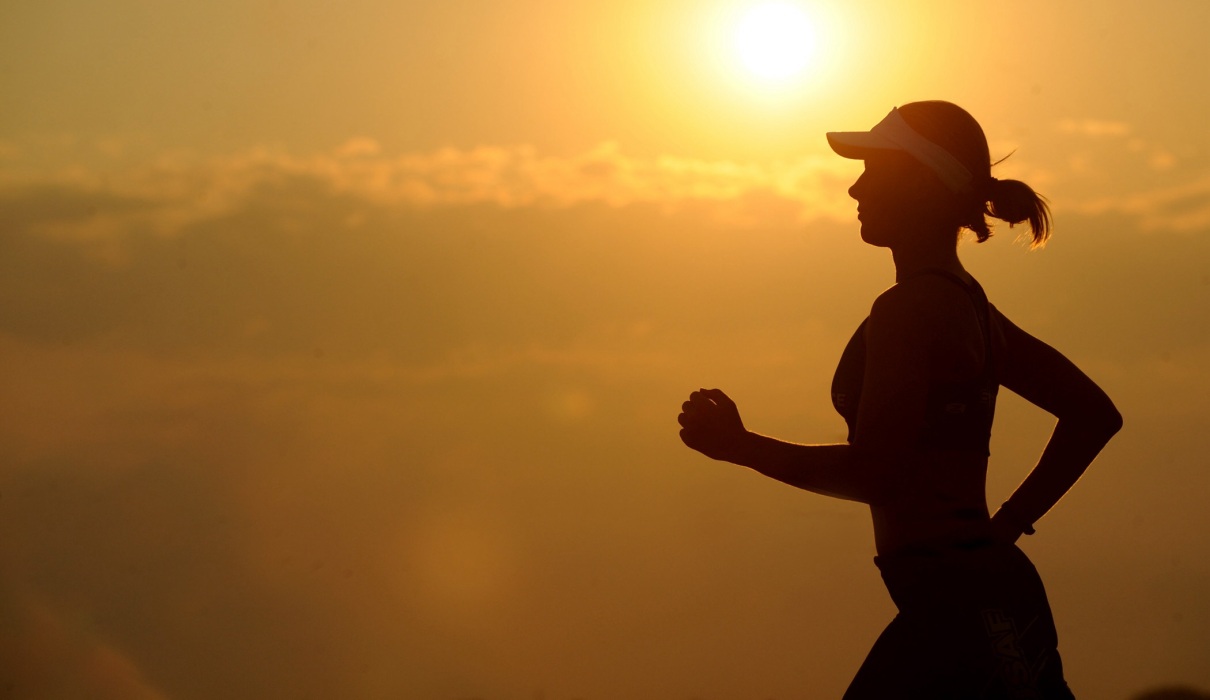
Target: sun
775,41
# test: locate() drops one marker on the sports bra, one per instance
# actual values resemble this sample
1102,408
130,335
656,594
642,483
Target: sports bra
958,415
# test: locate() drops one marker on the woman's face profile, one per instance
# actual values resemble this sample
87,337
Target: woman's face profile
894,192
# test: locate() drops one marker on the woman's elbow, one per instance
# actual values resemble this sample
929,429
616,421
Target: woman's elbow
1101,418
1108,417
1113,420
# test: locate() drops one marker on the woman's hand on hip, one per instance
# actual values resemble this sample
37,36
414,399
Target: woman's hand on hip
1004,529
710,424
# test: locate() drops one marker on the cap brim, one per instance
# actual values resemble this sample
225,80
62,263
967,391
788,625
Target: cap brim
858,144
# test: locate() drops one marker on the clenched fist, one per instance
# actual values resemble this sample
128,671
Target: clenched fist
710,424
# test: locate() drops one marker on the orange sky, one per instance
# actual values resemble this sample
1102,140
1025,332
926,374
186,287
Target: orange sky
344,343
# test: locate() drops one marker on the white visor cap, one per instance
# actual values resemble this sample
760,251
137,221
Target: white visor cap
894,134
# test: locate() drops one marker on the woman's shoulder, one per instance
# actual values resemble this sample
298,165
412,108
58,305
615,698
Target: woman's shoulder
930,317
906,317
925,298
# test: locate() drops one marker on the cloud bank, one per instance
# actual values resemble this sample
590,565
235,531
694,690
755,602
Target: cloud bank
1098,166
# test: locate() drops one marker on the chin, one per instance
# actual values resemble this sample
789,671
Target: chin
873,236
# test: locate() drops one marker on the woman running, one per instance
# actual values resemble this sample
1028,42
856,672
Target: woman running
917,387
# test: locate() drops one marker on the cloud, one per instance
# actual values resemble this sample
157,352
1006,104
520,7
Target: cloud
1105,167
1094,127
176,190
1182,208
167,194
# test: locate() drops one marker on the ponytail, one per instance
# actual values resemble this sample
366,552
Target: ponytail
1015,202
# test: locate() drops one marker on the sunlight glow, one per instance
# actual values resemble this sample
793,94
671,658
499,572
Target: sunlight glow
775,40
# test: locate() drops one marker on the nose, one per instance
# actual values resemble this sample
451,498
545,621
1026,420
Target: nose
857,187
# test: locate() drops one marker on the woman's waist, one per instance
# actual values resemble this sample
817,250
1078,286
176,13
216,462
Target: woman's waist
925,530
975,575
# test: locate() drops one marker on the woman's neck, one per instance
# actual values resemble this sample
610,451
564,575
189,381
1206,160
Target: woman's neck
911,261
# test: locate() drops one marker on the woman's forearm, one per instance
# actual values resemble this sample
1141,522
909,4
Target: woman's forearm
1071,449
831,470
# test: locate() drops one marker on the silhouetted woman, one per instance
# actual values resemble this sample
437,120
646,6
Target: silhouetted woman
917,386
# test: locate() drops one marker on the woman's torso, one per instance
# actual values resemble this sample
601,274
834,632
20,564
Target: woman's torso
940,501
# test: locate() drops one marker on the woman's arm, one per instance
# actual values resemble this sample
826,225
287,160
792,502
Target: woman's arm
710,424
901,335
1087,420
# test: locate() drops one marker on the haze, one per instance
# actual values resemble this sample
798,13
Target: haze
342,345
